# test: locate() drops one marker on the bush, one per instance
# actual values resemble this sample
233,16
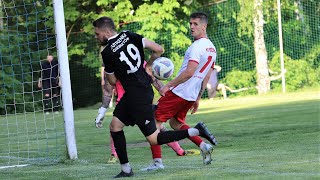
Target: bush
300,73
237,79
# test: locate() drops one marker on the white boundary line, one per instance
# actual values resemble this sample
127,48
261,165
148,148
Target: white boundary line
20,165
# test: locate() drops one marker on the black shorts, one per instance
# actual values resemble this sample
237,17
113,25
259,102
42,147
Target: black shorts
50,87
135,108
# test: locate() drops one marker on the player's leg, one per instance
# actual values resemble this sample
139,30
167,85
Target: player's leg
172,105
174,145
168,106
55,97
120,119
155,151
113,156
177,122
164,111
206,149
116,130
46,99
119,91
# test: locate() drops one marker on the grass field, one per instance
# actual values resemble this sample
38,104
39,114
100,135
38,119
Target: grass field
266,137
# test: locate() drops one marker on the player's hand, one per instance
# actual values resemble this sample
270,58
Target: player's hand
98,123
194,107
99,120
163,90
100,117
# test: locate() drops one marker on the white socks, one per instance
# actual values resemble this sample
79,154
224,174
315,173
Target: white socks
193,132
157,160
126,168
202,145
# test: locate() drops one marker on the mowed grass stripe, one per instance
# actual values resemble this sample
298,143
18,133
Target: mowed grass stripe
266,137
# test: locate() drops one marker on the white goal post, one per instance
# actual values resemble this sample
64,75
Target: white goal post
32,128
61,43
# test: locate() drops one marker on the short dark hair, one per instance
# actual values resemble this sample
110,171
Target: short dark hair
104,22
201,15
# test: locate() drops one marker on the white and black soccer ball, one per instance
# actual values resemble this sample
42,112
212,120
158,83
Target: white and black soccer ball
162,68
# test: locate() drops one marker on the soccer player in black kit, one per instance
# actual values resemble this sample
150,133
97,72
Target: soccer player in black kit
123,56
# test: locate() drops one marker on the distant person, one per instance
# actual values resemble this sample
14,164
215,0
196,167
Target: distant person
213,84
49,83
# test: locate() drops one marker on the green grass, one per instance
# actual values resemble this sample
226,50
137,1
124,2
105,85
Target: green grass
265,137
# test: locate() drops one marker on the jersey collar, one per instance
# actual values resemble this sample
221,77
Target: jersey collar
113,37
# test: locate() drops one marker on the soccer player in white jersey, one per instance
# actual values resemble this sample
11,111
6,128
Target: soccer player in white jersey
183,93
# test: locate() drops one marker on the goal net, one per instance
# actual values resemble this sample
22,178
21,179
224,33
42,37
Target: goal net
30,132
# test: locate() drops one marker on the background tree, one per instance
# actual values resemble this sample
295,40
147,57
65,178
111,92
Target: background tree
244,32
251,23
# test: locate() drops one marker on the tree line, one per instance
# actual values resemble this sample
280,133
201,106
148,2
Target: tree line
245,34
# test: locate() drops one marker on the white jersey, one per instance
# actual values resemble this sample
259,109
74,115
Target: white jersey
203,52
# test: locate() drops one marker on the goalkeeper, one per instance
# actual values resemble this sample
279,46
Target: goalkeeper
107,91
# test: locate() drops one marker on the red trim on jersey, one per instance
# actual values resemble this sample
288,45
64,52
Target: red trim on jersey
207,63
213,65
194,61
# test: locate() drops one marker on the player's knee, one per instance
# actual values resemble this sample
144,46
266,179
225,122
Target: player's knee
152,139
174,124
116,125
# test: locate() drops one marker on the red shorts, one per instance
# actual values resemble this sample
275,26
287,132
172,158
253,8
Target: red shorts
172,105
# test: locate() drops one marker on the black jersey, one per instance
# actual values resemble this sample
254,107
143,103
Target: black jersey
50,70
124,56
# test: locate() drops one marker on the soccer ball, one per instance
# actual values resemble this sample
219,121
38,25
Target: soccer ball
162,68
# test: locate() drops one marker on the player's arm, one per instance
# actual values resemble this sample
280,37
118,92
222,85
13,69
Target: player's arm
102,76
183,76
156,49
112,79
107,94
195,106
155,82
204,83
107,89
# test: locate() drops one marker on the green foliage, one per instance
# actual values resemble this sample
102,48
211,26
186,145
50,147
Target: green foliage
237,79
245,17
300,73
166,22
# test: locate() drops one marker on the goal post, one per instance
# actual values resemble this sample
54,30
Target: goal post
61,43
32,131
